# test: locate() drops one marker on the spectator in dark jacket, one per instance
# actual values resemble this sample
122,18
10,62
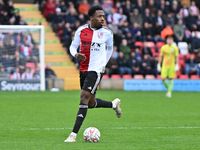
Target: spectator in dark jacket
191,21
146,32
191,66
112,66
57,19
156,31
4,18
122,63
49,73
8,63
195,42
146,65
133,64
71,17
146,50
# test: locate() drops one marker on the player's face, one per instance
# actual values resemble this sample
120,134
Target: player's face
170,41
98,19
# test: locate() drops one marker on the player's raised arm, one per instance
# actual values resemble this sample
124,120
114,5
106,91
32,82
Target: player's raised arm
109,49
74,45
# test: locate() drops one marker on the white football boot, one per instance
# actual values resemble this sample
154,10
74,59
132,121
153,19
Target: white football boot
169,95
71,138
117,109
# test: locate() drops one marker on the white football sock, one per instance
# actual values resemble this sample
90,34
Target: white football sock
113,105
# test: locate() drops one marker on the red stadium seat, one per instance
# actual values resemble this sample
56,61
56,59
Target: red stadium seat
30,65
138,76
139,44
184,77
159,45
158,77
149,77
151,45
181,56
105,76
127,76
115,76
194,77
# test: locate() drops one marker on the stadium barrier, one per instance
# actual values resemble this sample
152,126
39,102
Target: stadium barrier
149,85
29,85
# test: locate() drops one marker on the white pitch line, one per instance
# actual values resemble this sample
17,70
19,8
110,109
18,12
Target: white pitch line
120,128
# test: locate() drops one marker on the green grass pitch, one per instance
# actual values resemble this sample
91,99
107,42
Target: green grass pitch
150,121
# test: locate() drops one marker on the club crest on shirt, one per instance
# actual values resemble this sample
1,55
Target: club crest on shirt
172,50
100,35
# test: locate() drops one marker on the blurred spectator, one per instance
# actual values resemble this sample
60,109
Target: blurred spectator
49,73
156,31
114,17
136,18
16,17
146,66
26,49
22,21
107,7
191,21
9,36
113,27
96,2
49,9
169,19
151,6
66,32
195,42
133,64
3,73
115,52
19,61
128,8
27,74
125,49
71,17
11,48
122,63
167,31
146,32
191,66
9,8
138,56
188,35
36,74
147,17
16,75
130,40
112,66
2,49
140,6
160,19
198,23
198,58
4,18
8,63
179,31
1,5
194,8
146,50
174,9
135,32
162,7
57,21
184,11
63,7
119,10
179,16
83,7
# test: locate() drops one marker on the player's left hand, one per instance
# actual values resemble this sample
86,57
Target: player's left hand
176,67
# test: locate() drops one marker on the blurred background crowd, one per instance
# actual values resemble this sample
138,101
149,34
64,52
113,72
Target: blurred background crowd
139,27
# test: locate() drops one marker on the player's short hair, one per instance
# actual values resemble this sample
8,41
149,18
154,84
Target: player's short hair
93,9
170,37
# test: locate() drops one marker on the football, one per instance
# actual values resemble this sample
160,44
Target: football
91,134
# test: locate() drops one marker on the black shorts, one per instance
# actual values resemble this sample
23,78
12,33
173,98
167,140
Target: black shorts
89,81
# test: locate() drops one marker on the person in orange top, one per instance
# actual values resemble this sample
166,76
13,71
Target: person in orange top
167,31
83,7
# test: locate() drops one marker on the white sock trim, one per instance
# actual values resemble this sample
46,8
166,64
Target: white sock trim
113,105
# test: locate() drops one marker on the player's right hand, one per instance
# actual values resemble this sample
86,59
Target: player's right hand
80,57
158,67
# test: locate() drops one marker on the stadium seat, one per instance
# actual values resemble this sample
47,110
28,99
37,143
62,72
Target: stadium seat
105,76
158,77
127,76
174,43
184,77
139,44
151,45
159,45
198,34
30,65
183,47
194,77
138,76
181,56
149,77
188,55
115,76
